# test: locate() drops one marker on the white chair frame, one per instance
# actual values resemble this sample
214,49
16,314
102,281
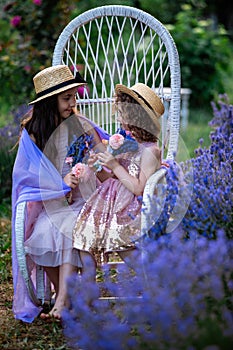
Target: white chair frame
136,47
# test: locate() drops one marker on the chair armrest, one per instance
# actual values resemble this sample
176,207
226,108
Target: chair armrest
20,251
148,193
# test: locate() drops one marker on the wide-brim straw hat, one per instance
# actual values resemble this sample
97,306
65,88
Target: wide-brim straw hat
147,98
54,80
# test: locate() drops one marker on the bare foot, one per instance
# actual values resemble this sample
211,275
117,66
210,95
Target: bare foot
52,315
44,316
56,311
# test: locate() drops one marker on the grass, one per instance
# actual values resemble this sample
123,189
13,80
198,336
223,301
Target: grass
15,334
197,129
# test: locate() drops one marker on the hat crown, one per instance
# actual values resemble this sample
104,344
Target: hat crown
52,76
145,97
149,97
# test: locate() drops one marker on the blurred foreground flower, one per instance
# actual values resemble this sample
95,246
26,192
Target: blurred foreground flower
180,297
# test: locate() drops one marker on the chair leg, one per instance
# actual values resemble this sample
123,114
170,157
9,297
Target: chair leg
40,283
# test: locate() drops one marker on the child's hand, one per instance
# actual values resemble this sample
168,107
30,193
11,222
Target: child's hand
71,180
108,160
91,161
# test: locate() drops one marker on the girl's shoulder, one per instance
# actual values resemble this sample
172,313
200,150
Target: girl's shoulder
85,122
151,148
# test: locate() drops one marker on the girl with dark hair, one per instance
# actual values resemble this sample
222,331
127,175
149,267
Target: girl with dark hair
44,179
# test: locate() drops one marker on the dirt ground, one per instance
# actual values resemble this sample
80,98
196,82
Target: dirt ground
17,335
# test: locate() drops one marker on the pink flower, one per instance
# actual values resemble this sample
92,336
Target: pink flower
69,160
27,68
83,91
79,67
15,21
80,170
116,141
37,2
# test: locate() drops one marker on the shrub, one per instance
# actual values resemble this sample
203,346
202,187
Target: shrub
198,196
205,54
29,31
211,205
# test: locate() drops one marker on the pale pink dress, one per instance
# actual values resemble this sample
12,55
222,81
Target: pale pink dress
49,240
110,219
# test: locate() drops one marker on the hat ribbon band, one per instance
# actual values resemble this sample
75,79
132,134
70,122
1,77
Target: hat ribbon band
78,80
144,100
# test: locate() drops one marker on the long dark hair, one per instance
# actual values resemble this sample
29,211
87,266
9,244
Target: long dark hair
44,120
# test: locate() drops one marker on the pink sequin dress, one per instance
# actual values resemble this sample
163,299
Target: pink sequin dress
110,219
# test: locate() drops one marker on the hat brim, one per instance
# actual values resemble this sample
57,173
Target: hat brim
136,97
55,92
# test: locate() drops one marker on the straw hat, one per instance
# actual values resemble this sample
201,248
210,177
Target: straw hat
147,98
54,80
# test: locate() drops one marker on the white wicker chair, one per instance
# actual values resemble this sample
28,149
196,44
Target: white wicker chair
120,44
135,47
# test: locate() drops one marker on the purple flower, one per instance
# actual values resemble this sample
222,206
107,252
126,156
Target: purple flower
80,148
177,288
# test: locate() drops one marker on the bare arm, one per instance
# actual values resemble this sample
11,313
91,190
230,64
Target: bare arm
150,161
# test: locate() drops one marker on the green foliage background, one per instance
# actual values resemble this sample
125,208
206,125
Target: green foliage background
205,54
204,46
27,47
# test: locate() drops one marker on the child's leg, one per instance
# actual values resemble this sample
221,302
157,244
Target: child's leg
65,271
53,275
131,257
88,266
